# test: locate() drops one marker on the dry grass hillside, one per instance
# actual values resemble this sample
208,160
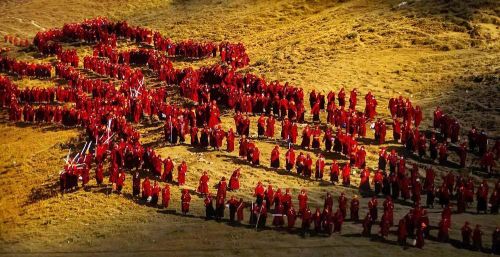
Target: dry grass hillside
435,52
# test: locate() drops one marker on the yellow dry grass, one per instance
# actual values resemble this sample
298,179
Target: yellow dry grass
435,53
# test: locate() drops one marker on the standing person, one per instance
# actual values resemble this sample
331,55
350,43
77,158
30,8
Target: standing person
181,173
477,238
355,209
165,196
466,235
220,207
234,181
155,193
146,190
402,232
185,201
290,159
239,210
120,182
230,140
420,235
136,184
334,172
320,167
233,207
203,183
302,197
291,216
495,241
275,157
209,206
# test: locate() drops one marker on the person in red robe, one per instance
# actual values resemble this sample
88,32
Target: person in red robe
259,193
306,137
243,147
320,167
354,208
466,232
477,241
367,225
203,183
294,133
343,205
306,220
185,201
168,168
181,173
334,172
346,175
315,112
278,220
120,182
270,127
291,217
234,181
482,197
338,220
302,197
402,232
239,210
146,189
286,199
444,228
384,225
290,159
136,184
255,156
155,194
261,125
275,157
269,196
230,140
364,184
360,158
99,174
462,154
222,188
165,196
420,235
233,206
372,208
328,204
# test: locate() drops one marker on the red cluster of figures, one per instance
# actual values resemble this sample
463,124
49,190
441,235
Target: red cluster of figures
105,31
106,116
17,41
105,68
188,48
234,54
21,68
69,57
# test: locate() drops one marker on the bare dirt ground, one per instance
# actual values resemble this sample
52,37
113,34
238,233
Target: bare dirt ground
435,52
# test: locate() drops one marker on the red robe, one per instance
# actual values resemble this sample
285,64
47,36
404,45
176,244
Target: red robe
165,196
270,127
275,156
146,188
234,181
346,175
203,184
302,202
181,174
185,201
230,141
